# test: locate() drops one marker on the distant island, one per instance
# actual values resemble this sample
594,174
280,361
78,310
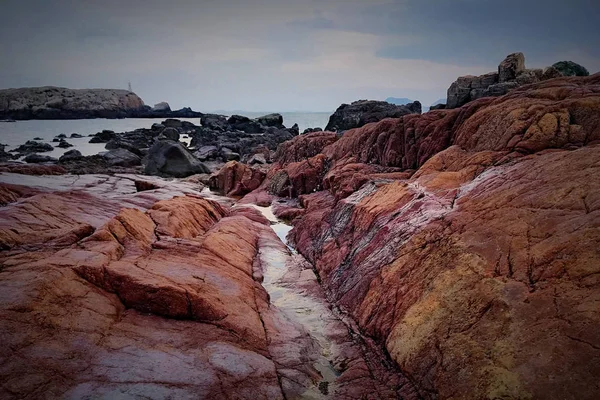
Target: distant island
399,101
49,102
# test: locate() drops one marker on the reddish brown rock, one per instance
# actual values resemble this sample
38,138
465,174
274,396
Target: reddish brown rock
303,146
236,179
33,169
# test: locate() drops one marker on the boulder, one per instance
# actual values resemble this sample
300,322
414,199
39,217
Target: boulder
244,124
171,134
275,120
362,112
206,153
236,179
121,158
38,158
167,158
38,138
570,68
257,159
75,136
228,154
70,156
103,137
214,122
510,67
62,136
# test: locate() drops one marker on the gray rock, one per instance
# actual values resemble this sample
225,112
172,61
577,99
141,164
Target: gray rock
157,127
229,155
570,68
162,106
166,158
206,153
33,147
122,158
62,136
75,136
529,76
257,159
171,134
550,73
63,144
271,120
38,138
362,112
70,155
510,67
103,137
38,158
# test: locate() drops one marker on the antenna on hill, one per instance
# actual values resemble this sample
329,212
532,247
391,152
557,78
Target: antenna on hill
129,87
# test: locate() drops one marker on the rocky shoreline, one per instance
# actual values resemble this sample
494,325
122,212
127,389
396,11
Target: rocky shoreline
445,255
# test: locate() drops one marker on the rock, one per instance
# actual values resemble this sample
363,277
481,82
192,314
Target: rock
362,112
122,158
32,169
33,147
63,144
166,158
103,137
172,123
437,107
70,156
62,103
295,130
310,130
75,136
304,146
510,67
275,120
244,124
257,159
157,127
214,122
229,155
550,73
529,76
163,106
61,136
570,68
171,134
206,153
38,159
38,138
236,179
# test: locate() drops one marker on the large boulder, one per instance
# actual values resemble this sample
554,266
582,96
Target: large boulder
362,112
236,179
38,159
103,137
71,155
570,68
162,106
167,158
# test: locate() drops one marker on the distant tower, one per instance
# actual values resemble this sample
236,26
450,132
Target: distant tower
129,87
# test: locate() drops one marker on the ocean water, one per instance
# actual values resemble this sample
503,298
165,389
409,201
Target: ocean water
14,134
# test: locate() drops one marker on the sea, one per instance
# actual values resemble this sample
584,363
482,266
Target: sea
13,134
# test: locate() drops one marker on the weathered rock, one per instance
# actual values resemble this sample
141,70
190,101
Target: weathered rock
236,179
166,158
257,159
303,146
570,68
206,153
362,112
122,158
510,67
75,136
162,106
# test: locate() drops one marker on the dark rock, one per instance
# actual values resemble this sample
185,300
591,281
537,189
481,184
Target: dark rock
206,153
62,136
162,107
437,107
275,120
214,122
38,138
570,68
70,156
529,76
63,144
295,130
122,158
75,136
157,127
171,134
310,130
362,112
172,159
38,158
257,159
244,124
510,67
228,154
172,123
103,137
550,73
33,147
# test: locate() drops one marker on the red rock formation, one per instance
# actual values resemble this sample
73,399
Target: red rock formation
236,179
29,169
478,273
303,146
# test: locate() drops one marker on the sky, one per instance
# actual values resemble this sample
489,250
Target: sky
284,55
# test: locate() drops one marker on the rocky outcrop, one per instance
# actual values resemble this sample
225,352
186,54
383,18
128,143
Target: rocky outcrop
51,102
304,146
167,158
362,112
464,240
236,179
511,75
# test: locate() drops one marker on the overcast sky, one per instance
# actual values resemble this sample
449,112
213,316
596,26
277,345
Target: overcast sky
284,55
